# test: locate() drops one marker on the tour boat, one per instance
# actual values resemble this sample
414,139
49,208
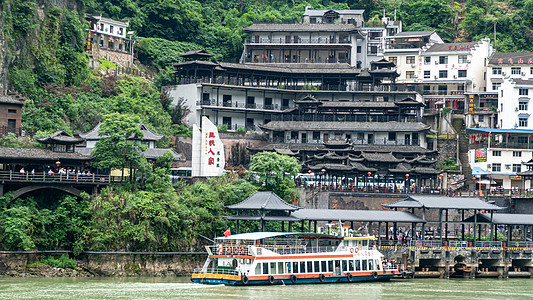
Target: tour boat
292,258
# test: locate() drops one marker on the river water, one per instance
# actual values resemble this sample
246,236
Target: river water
182,288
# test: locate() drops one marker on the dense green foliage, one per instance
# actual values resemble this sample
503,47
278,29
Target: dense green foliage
150,217
275,172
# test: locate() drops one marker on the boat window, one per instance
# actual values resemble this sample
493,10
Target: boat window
371,265
280,268
258,269
288,265
365,265
344,266
265,268
317,267
378,265
295,266
273,268
358,265
309,267
364,242
330,266
302,267
351,265
324,269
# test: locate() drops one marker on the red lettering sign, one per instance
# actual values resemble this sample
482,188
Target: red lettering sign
211,134
211,151
500,61
211,161
211,143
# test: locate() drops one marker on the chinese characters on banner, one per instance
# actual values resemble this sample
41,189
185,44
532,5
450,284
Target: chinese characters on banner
208,150
481,155
470,104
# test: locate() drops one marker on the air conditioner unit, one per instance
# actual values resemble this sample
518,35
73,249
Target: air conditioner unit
489,166
413,65
507,166
468,61
455,76
436,62
436,77
523,74
516,109
503,74
415,76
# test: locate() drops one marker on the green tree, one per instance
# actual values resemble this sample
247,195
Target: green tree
120,144
276,173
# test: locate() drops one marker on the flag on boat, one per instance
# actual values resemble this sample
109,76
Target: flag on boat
227,233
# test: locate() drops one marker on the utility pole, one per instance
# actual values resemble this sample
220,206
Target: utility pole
494,36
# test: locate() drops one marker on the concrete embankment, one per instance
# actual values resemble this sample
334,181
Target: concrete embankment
25,264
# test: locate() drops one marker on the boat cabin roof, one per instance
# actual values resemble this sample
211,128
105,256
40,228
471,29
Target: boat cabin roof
252,236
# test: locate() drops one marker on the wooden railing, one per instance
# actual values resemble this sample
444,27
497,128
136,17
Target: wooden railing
43,176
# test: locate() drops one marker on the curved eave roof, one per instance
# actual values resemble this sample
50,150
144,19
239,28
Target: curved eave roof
357,215
264,201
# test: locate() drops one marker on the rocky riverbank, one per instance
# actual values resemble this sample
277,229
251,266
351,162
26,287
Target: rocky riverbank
92,265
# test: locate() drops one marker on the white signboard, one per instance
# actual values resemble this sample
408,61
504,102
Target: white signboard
207,150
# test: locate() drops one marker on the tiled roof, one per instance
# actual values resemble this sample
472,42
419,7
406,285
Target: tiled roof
264,200
347,126
447,47
148,135
10,99
414,33
60,137
511,58
39,154
321,12
300,27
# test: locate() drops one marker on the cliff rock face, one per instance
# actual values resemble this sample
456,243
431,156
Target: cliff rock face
21,24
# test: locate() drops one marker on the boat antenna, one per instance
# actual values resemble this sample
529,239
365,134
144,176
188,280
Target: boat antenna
207,238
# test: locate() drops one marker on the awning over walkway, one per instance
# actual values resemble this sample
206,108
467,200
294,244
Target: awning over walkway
436,202
357,215
503,219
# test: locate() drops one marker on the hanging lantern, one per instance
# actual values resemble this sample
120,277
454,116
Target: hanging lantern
441,175
474,178
517,177
369,173
507,134
58,163
309,171
406,175
490,134
529,135
323,170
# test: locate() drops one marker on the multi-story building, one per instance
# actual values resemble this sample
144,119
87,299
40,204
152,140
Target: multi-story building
108,39
325,36
248,95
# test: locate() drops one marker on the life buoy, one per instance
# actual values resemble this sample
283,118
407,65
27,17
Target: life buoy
271,279
350,277
236,250
321,277
241,250
356,250
244,279
259,251
374,274
220,249
352,250
228,250
293,278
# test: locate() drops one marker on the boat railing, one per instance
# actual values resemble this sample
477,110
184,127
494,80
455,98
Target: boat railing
283,250
225,271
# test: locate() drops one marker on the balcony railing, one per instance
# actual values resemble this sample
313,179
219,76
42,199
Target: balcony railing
17,131
510,145
241,105
444,93
384,141
345,118
275,59
283,40
44,176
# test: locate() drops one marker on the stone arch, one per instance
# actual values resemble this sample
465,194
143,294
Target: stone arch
27,189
